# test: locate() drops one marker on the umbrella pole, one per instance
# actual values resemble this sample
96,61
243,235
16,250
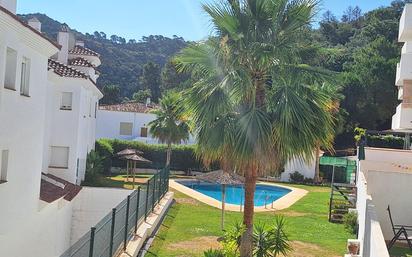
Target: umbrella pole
134,170
127,172
223,206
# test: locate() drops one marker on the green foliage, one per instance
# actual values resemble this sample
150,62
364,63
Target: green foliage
173,79
214,253
94,166
268,241
111,94
380,141
296,177
184,157
142,95
350,220
150,79
105,150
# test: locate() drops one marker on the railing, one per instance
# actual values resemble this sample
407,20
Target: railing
110,236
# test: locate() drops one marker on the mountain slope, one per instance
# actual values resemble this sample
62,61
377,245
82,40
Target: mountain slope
122,61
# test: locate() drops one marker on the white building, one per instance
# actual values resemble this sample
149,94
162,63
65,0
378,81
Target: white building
127,121
42,215
73,100
24,218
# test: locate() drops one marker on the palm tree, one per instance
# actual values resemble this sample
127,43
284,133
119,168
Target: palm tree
171,125
254,103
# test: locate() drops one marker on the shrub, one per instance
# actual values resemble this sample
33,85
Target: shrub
380,141
94,166
308,181
350,220
183,156
267,240
214,253
296,177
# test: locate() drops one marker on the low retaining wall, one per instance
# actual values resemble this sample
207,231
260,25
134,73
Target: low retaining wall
147,228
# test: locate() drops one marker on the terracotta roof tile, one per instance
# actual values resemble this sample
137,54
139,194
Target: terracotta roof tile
53,188
128,107
65,71
55,44
79,61
80,50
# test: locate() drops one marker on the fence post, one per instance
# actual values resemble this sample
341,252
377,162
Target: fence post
137,209
154,191
92,232
112,231
147,199
126,223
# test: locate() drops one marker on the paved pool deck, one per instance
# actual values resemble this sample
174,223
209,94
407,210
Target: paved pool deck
282,203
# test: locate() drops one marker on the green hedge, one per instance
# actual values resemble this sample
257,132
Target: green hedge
183,156
389,141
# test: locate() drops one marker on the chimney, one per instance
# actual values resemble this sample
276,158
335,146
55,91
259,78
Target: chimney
80,43
35,24
10,5
63,40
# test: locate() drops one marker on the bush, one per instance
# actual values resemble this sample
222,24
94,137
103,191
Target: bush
183,156
350,221
380,141
214,253
94,166
296,177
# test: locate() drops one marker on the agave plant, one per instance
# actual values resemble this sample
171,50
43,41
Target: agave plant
214,253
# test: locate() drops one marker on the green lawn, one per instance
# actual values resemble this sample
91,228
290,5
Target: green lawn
192,227
401,252
118,181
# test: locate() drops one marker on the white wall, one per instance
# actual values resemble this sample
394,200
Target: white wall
389,177
25,228
75,128
91,205
299,165
108,126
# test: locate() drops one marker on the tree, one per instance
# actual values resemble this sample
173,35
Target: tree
150,79
172,79
253,100
141,96
171,125
111,94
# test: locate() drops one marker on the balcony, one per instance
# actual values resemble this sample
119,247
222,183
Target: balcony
405,25
402,120
400,93
404,69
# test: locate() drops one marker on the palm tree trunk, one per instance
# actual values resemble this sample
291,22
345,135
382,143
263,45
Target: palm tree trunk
316,179
168,154
246,244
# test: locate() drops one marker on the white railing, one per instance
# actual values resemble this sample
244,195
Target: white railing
370,233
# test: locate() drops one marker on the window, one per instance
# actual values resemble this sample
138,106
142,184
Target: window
143,132
25,77
11,69
4,165
66,101
59,157
126,128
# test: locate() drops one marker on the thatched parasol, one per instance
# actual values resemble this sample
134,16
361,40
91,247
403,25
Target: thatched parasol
132,157
129,151
222,178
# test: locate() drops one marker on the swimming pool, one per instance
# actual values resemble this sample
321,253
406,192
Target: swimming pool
265,194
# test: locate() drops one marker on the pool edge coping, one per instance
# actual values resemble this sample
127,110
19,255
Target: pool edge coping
282,203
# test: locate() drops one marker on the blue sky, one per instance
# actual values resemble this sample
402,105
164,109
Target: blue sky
137,18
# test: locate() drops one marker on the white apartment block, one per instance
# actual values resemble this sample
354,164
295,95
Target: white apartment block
48,102
128,121
73,101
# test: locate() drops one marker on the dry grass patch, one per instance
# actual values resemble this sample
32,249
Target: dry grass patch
189,201
302,249
196,245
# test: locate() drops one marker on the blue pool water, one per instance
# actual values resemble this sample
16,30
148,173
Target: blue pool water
264,194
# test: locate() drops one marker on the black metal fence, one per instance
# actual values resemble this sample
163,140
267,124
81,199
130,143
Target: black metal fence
116,229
